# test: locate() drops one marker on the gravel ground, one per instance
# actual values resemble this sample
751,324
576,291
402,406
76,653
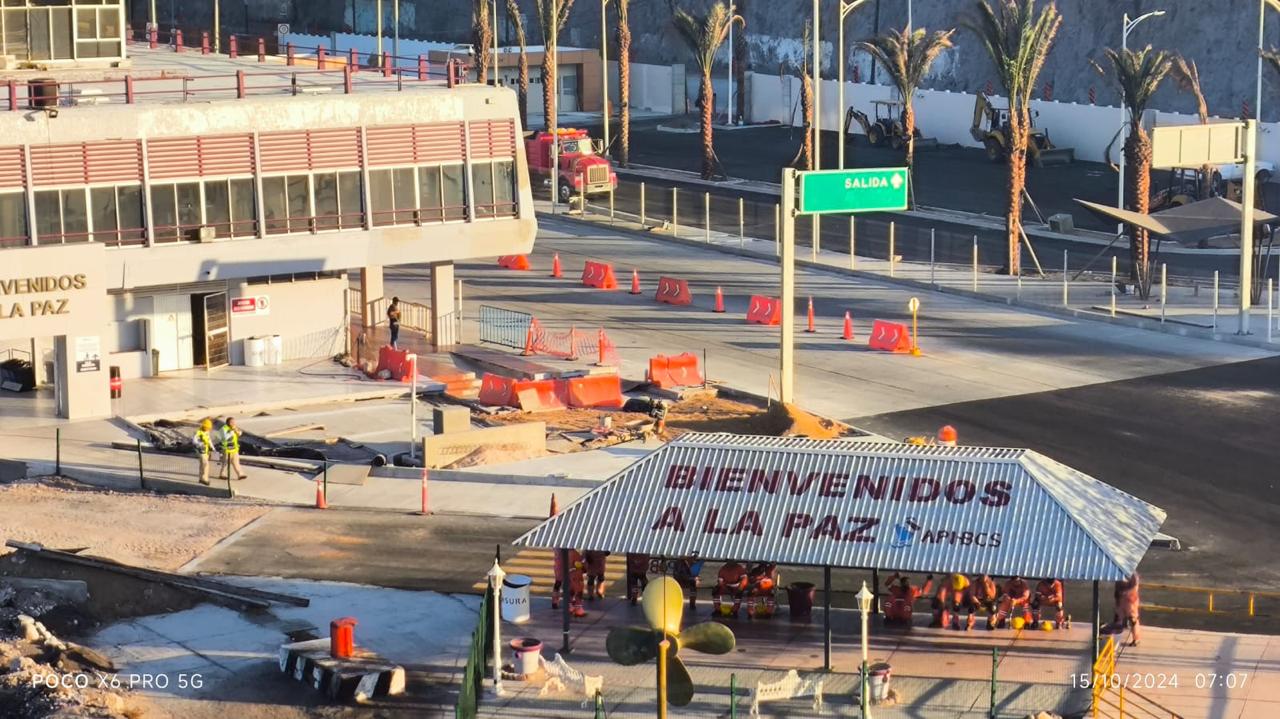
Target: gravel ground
160,532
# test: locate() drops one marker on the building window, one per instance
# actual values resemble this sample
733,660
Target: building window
98,32
13,219
176,211
117,215
229,207
61,216
494,184
338,201
443,193
286,203
394,195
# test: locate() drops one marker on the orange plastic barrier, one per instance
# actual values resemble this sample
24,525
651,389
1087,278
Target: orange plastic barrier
599,275
678,371
514,262
394,361
495,390
597,390
673,291
537,394
890,337
764,310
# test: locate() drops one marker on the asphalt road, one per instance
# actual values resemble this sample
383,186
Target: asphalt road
1201,444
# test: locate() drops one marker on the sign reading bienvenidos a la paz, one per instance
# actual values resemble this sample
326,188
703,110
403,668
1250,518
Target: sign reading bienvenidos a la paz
41,296
55,290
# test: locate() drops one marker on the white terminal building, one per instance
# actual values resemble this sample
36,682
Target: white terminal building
158,208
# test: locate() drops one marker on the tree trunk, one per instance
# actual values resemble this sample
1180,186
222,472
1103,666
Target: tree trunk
1019,134
548,88
708,106
909,127
484,46
522,87
624,89
1137,154
806,109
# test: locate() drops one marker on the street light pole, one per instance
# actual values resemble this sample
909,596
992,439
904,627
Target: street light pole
1257,97
846,7
494,42
1246,222
864,598
395,30
604,71
787,325
1128,26
815,224
728,106
378,9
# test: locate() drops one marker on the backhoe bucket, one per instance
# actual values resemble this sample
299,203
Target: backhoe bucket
1057,156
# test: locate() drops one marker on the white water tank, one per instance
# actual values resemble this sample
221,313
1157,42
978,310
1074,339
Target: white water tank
275,349
255,351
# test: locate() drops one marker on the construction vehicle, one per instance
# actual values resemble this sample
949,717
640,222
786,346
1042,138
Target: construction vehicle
1183,185
887,126
991,128
582,169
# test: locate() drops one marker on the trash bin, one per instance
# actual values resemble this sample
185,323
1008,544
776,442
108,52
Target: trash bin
878,681
528,655
515,598
255,351
275,349
342,642
800,600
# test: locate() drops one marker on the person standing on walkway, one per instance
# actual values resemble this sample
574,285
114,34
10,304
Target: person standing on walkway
393,321
1127,606
231,448
204,446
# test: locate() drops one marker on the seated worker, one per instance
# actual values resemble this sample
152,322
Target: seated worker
1014,602
901,596
1049,597
762,580
637,575
951,598
687,573
730,580
595,564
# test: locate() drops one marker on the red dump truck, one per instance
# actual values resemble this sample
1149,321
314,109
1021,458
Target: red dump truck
582,168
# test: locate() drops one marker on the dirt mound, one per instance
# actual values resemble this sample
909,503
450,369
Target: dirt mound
788,420
495,454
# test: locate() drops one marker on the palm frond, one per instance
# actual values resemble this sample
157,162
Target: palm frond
1272,57
907,57
1137,74
704,34
1018,39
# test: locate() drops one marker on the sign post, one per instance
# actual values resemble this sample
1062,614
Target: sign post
824,192
914,306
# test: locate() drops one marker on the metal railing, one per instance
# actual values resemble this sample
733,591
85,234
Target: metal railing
507,328
1214,600
1113,698
473,673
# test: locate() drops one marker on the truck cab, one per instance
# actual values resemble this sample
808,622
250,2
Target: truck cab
582,169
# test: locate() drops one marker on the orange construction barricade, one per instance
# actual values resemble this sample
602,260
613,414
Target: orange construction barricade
676,371
764,310
514,262
599,275
890,337
596,390
394,361
495,390
673,291
532,395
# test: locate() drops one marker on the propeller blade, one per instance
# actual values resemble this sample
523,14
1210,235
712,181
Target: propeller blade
663,603
679,683
629,646
708,638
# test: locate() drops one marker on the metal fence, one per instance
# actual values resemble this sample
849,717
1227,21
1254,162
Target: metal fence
504,327
473,674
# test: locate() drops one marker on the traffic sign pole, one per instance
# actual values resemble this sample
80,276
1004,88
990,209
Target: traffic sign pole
786,354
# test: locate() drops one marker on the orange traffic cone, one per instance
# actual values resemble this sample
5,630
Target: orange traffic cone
555,266
635,282
555,507
719,301
810,328
320,499
848,327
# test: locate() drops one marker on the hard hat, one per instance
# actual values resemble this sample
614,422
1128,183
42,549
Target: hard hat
1046,625
914,440
206,424
958,581
1019,623
947,435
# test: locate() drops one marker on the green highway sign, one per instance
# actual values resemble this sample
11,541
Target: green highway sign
879,189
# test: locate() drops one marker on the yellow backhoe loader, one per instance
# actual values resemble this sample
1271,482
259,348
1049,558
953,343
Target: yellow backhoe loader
886,127
991,128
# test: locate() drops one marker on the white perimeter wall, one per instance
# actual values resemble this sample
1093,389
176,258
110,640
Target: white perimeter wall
309,315
947,116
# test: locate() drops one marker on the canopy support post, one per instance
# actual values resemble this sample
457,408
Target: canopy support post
826,618
875,591
565,600
1097,628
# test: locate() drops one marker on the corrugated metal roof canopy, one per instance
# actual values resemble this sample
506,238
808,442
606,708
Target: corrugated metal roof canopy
857,504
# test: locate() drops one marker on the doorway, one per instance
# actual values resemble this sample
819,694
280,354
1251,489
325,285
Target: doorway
209,327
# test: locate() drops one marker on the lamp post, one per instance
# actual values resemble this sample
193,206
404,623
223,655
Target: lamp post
604,71
864,597
1129,25
728,105
495,42
378,9
395,30
496,575
816,220
846,7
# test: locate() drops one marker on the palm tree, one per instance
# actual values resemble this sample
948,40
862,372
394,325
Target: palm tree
1018,39
1188,77
552,15
482,34
906,57
624,82
1138,74
704,35
804,159
522,81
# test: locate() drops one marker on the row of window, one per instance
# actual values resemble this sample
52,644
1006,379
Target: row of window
290,204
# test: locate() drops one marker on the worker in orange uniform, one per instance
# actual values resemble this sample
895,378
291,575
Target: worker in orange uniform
730,580
595,563
1128,603
981,595
637,575
1014,602
901,596
574,574
762,580
947,436
951,598
1050,597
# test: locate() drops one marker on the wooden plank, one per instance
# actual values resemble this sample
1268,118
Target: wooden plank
293,430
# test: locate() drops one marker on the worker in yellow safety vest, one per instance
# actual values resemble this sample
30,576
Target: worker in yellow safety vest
204,446
231,448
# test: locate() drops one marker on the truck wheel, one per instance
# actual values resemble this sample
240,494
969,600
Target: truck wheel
896,141
566,192
875,136
995,151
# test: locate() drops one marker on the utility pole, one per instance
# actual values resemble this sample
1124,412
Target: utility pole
786,348
1246,222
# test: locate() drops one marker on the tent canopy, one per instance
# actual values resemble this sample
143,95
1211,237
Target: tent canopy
1187,224
851,504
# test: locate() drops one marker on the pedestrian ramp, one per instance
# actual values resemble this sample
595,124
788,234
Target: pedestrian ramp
539,564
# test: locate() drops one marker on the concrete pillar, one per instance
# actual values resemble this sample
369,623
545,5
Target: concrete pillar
444,322
370,290
81,395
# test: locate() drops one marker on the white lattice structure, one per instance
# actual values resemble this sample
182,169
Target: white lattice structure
789,687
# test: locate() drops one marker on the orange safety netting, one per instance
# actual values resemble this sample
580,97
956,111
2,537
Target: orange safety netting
570,344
